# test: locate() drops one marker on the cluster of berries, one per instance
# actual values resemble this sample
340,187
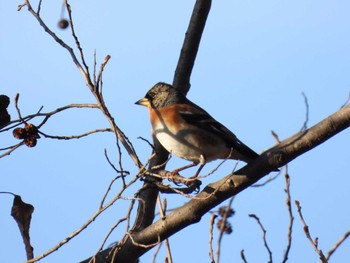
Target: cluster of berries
29,134
222,223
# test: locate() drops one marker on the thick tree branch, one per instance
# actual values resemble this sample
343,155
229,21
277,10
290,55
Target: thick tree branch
232,184
149,192
191,44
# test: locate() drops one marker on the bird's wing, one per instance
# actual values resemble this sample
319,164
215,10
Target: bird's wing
196,116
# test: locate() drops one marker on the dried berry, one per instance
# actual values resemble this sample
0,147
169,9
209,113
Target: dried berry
223,210
4,101
63,23
5,118
31,130
225,226
19,133
30,141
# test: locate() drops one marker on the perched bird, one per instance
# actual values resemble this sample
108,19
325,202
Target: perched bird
189,132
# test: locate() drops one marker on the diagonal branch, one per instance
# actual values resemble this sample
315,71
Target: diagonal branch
337,244
232,184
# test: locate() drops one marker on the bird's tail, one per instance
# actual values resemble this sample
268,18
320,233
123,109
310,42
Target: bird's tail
246,154
243,152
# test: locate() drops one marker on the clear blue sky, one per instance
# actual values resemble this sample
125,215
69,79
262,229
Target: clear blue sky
255,60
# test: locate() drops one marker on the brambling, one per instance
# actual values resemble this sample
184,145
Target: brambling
189,132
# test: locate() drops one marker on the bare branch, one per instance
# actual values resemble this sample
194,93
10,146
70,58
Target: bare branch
346,102
264,236
291,217
84,226
337,244
162,211
77,42
99,82
156,252
304,127
126,218
308,235
48,115
289,206
243,256
17,107
224,222
85,72
11,149
56,38
268,180
211,224
74,136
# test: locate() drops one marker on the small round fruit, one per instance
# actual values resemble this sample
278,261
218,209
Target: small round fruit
63,23
19,133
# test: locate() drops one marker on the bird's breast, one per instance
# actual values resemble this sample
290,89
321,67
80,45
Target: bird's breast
184,140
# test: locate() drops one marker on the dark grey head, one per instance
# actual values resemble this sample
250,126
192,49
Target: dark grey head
161,95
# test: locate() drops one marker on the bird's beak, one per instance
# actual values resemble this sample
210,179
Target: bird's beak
143,102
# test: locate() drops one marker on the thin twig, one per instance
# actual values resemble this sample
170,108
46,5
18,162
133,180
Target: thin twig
131,206
99,82
17,108
94,75
123,173
162,211
243,256
48,115
289,206
11,149
308,235
337,244
167,245
211,224
39,6
84,226
56,38
110,232
148,142
74,136
222,226
143,245
77,42
126,218
264,236
346,102
86,75
107,191
304,127
267,181
291,217
218,166
156,252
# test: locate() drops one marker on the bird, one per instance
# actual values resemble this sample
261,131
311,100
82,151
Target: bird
188,131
